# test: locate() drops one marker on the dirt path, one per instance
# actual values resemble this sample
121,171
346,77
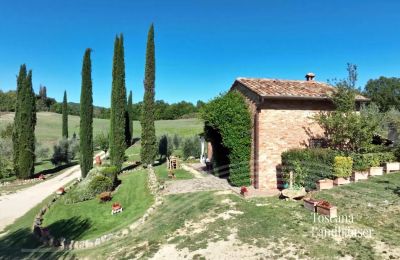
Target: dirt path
201,182
15,205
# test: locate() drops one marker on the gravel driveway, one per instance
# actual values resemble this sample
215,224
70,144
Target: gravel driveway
15,205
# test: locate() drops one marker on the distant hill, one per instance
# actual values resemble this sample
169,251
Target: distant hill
163,111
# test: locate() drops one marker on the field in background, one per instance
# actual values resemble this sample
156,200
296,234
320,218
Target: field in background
48,128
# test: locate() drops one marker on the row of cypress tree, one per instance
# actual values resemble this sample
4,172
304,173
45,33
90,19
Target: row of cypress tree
121,122
24,126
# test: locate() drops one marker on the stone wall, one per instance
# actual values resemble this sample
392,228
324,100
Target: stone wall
283,125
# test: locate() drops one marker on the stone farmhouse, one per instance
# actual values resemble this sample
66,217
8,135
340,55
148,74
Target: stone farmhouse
281,112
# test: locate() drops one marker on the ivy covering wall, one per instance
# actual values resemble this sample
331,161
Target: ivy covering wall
227,125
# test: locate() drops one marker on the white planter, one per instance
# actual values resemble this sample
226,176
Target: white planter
325,184
375,171
360,175
341,181
392,166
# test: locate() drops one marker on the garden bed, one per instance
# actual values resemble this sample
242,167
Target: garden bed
90,218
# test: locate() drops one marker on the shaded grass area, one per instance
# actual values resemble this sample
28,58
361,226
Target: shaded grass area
46,168
94,217
19,242
278,226
162,173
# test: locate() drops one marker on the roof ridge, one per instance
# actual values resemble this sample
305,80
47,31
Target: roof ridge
285,80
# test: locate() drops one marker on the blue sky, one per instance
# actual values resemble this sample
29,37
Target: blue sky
201,45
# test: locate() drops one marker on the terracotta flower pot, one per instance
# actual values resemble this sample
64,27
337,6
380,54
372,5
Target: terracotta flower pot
392,166
311,204
341,181
325,184
375,171
360,175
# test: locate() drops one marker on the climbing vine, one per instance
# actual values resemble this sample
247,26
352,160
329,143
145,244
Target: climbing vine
227,125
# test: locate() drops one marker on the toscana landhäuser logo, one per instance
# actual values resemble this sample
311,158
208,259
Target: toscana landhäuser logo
343,226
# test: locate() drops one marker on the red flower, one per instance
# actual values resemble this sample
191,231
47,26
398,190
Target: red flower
243,189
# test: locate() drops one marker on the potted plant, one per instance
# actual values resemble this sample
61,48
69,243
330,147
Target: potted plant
361,167
244,191
105,196
60,191
327,209
342,169
375,169
324,184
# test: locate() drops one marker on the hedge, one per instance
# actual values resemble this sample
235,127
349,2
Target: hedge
309,165
364,161
227,124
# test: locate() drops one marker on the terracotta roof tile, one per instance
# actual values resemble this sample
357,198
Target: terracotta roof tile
290,88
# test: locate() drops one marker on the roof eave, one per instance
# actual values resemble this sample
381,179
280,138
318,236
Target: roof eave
307,98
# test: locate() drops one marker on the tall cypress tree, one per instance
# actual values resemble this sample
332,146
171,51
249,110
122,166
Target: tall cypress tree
17,118
86,116
148,140
129,122
26,136
65,116
118,105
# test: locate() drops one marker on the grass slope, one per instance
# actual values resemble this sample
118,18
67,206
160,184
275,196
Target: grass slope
279,228
92,219
48,128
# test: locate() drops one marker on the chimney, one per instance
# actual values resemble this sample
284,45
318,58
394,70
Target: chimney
310,76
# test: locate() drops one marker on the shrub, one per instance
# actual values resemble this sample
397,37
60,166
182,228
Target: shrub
100,184
165,146
191,147
176,141
110,172
6,133
95,182
41,152
343,166
6,158
363,161
308,165
102,141
65,151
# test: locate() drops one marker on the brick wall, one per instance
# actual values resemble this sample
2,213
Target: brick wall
283,125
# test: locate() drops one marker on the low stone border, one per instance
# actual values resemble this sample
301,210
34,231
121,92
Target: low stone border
20,182
82,244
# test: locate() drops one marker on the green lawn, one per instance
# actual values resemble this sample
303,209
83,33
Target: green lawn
48,128
180,174
90,219
280,228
